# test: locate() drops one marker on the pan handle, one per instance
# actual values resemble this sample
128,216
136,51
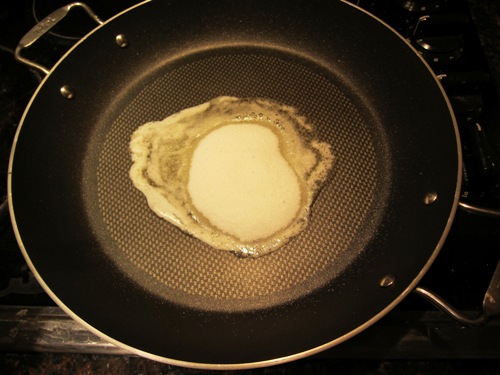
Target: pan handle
491,303
479,210
43,27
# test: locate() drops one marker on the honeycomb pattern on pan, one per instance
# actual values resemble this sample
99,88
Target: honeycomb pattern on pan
184,270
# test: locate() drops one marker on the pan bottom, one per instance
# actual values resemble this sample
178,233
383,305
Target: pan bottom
183,270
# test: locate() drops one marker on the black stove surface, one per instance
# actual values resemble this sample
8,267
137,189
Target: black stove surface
457,39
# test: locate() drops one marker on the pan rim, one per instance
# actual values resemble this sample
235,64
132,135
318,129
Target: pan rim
263,363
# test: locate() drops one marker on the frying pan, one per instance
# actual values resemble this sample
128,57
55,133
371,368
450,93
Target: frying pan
132,278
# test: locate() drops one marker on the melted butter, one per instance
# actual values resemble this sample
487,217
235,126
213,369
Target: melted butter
238,174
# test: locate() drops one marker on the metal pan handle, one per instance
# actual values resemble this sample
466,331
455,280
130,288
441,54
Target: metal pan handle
491,303
43,27
479,210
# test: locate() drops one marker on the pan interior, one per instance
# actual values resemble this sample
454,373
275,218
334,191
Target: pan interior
183,270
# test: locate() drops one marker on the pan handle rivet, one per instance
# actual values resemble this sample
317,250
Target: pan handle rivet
66,92
387,281
430,198
121,40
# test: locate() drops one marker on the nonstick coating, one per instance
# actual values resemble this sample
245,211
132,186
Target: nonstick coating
113,265
187,271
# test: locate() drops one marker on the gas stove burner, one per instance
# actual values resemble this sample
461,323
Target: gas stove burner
17,84
423,6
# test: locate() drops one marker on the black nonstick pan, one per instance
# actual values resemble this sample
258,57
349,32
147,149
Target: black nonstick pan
376,226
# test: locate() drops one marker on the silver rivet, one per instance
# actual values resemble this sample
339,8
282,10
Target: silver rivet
430,198
66,92
121,40
387,281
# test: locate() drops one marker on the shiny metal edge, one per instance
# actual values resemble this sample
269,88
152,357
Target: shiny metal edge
480,210
250,365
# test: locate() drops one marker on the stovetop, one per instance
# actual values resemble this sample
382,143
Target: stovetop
451,35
